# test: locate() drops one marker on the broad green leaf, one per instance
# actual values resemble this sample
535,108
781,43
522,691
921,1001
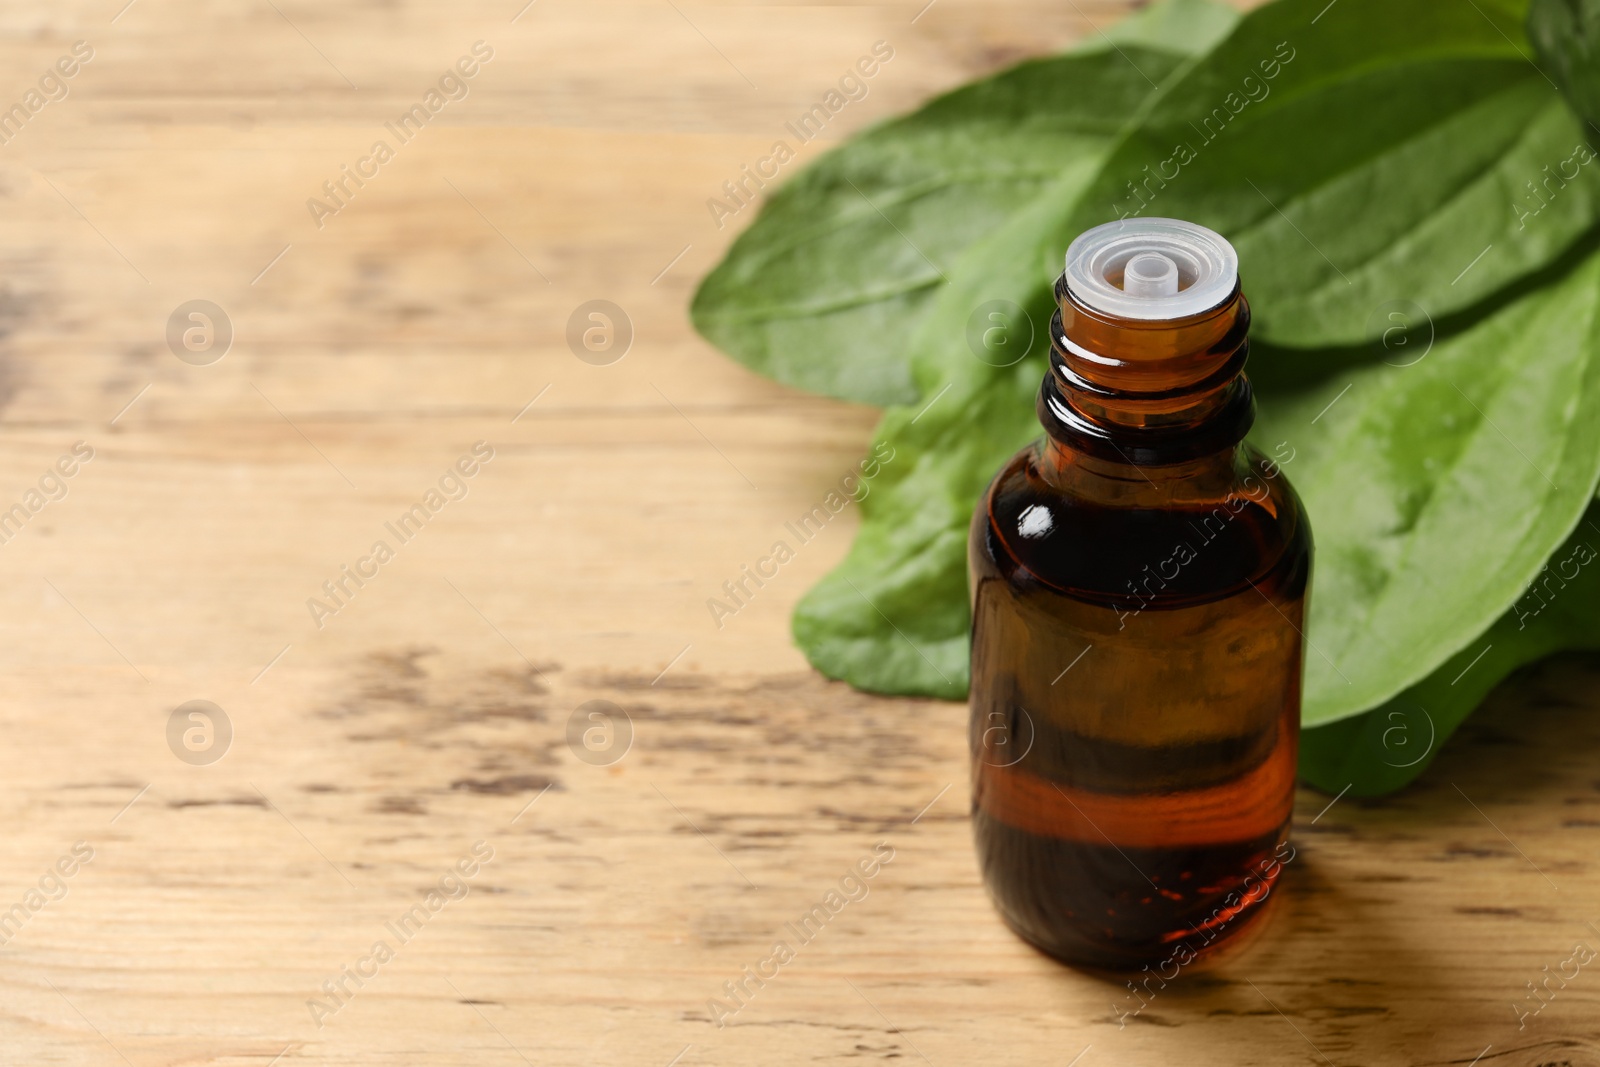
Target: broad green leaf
1382,750
1182,27
825,289
1438,488
1566,36
893,616
1359,153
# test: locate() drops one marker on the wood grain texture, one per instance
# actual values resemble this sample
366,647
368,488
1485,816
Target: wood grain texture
433,710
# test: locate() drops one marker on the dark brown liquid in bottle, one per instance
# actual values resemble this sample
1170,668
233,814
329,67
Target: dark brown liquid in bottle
1139,583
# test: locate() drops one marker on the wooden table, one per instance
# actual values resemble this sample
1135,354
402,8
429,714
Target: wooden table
226,898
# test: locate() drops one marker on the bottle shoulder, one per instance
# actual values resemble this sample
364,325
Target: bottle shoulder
1175,541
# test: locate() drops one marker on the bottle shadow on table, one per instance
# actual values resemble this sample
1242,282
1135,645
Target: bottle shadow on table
1407,927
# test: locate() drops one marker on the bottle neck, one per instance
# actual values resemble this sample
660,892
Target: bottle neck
1162,394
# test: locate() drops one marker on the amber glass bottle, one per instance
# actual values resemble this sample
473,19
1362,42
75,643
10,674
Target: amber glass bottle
1138,582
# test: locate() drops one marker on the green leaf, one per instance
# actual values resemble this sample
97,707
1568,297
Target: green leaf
1437,488
1405,462
825,289
1182,27
893,616
1399,150
1566,36
1382,750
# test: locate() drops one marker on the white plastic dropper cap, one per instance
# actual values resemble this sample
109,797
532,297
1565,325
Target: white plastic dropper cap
1151,269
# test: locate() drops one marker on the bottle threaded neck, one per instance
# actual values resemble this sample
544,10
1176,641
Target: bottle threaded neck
1147,391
